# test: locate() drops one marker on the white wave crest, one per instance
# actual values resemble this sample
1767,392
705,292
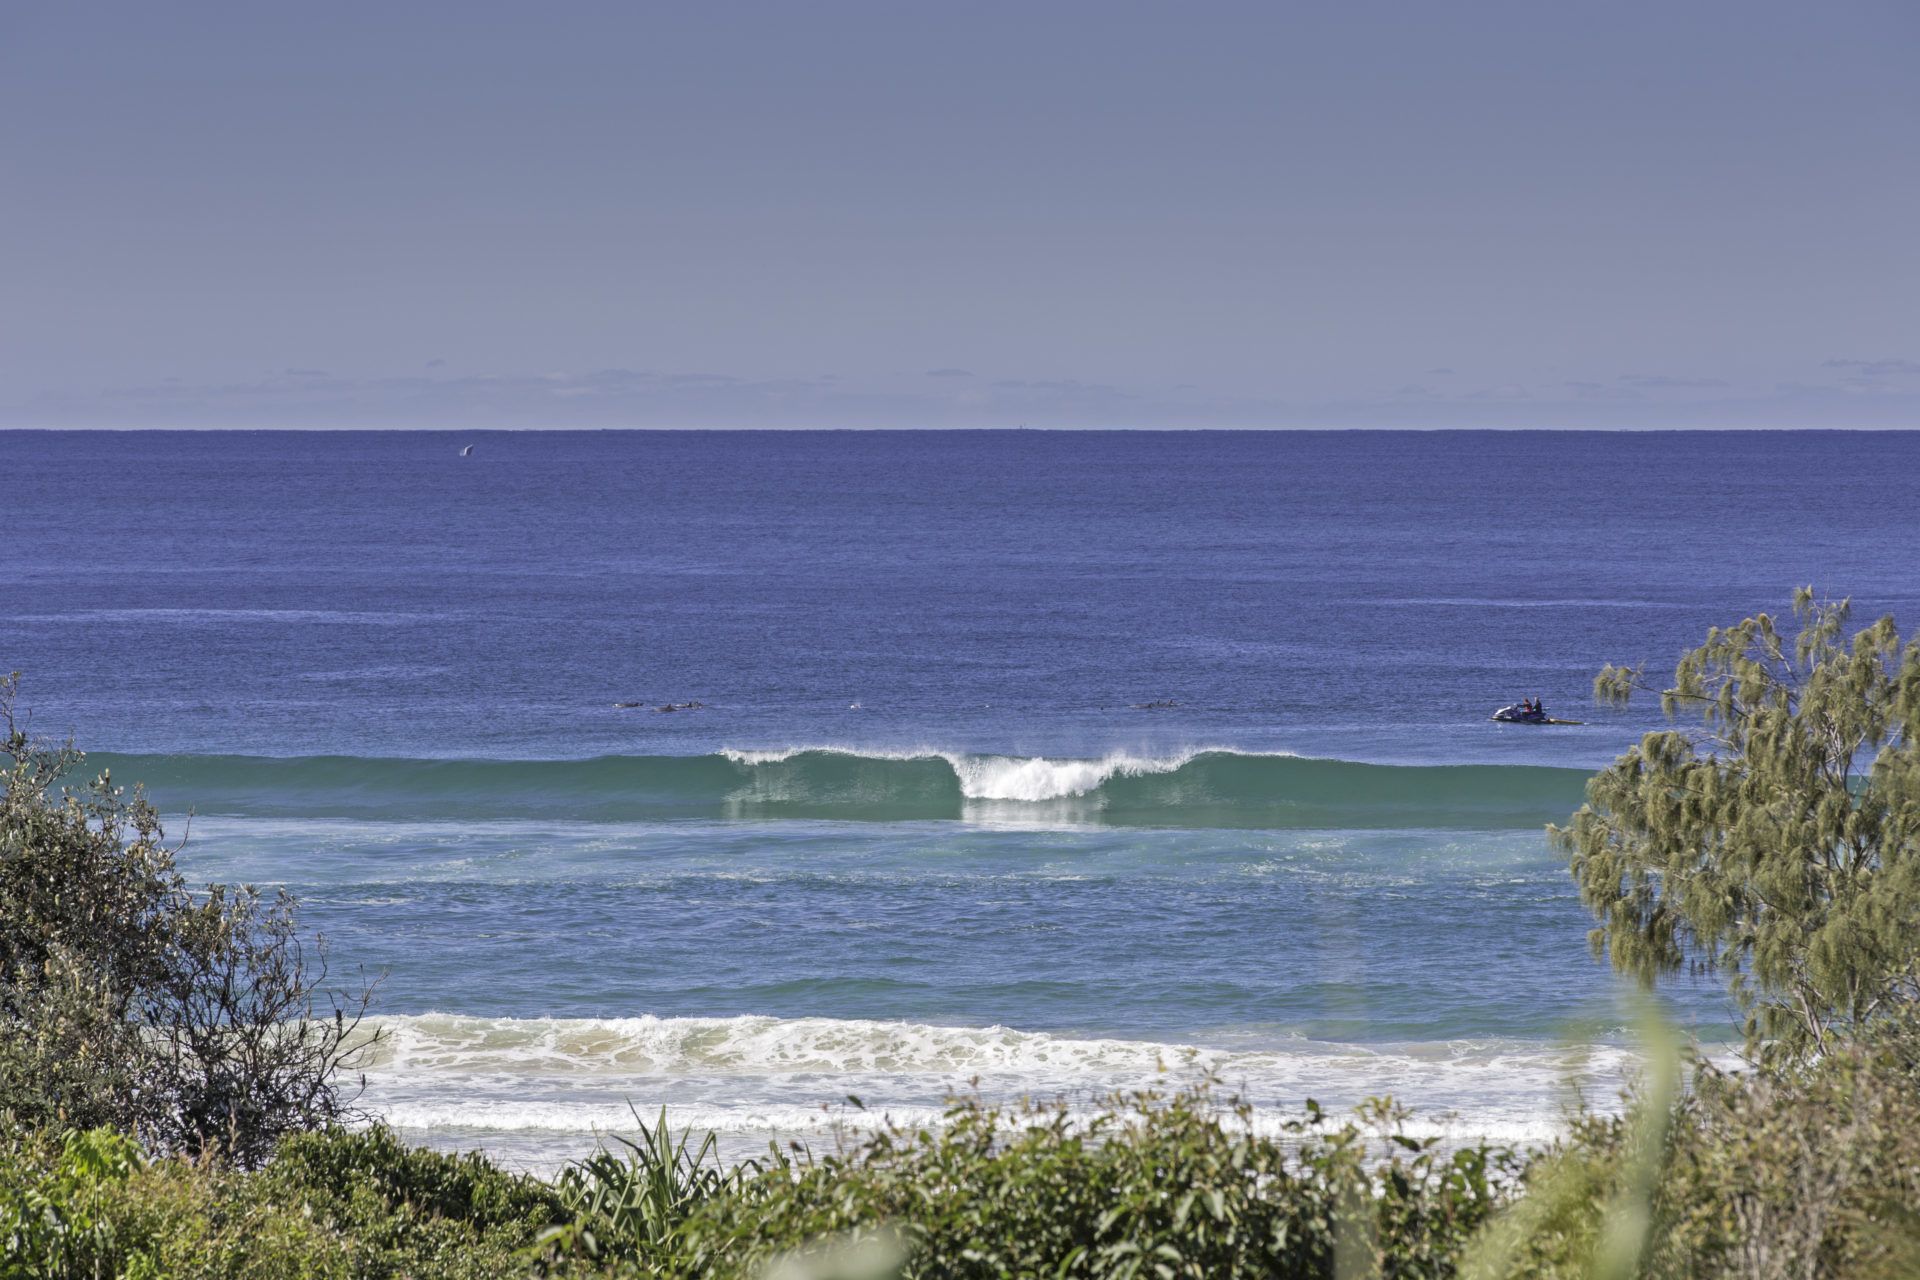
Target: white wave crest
484,1115
1038,778
748,1045
745,1062
540,1091
1016,779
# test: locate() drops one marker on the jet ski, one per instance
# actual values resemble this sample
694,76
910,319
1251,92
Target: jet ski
1519,714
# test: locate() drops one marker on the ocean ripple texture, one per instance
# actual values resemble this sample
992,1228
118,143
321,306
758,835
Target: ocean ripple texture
1026,763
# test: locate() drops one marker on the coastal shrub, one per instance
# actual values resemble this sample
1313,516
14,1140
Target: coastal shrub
375,1165
1813,1169
1780,845
1806,1169
633,1202
332,1204
1810,1170
1156,1186
200,1021
407,1211
87,1203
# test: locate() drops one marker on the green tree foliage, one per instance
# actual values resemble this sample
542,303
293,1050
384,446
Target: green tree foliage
1779,844
198,1021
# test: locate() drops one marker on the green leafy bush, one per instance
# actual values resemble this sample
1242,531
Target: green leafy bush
1157,1186
407,1211
1804,1170
198,1020
87,1204
334,1204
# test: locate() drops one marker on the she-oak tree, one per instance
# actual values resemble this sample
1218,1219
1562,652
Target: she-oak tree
1778,844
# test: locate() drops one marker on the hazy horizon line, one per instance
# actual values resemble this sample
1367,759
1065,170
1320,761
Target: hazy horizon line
425,429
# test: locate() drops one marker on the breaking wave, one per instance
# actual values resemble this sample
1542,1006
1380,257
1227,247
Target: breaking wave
570,1078
1208,787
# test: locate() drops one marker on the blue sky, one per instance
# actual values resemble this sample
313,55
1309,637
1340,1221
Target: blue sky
898,214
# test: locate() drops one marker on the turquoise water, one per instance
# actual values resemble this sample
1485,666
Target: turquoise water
1197,788
1056,762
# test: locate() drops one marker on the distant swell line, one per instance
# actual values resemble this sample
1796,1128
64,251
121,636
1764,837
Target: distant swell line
1212,787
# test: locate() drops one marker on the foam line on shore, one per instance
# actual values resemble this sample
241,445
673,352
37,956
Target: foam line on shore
442,1074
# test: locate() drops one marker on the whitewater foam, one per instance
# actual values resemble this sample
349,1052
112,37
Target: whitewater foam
752,1045
1038,779
551,1085
1017,779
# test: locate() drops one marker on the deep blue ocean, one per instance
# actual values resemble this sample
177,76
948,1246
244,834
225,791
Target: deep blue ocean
1066,761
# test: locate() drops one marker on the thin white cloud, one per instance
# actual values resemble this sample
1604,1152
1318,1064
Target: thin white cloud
1876,368
1663,382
